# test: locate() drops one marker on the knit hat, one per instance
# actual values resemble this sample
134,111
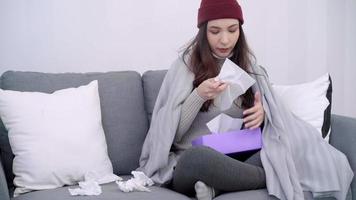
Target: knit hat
217,9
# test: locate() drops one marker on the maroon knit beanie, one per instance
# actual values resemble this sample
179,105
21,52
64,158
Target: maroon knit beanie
217,9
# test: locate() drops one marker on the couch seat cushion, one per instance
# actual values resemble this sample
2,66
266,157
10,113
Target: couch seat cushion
259,195
249,194
110,192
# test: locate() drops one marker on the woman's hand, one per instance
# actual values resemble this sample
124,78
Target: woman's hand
253,117
210,88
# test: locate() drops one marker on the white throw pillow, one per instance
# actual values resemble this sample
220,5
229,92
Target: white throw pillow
56,138
308,100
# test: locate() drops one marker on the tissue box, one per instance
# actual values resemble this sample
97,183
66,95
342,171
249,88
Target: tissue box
233,141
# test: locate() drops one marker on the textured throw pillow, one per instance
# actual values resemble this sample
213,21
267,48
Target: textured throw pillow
56,138
310,101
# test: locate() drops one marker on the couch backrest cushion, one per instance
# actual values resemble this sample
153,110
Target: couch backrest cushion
152,81
122,105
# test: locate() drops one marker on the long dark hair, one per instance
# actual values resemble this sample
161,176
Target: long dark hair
204,65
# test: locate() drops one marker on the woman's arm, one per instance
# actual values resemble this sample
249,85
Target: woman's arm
190,109
208,89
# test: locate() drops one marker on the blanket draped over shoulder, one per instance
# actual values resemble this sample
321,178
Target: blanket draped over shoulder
295,158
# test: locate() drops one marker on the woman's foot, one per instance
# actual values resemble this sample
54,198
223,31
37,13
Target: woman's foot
203,192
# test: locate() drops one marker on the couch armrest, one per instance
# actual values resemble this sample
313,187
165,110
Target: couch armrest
343,137
4,192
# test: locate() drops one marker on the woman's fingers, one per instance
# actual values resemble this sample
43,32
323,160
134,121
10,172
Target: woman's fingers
250,117
250,111
213,85
222,87
211,88
253,117
217,89
254,123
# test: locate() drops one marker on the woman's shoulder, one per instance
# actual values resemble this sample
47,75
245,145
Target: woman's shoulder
179,73
181,63
258,69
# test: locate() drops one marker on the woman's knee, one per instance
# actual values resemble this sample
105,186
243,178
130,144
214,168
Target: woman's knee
197,155
191,166
199,151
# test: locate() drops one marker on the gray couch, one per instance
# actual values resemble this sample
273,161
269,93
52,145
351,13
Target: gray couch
127,101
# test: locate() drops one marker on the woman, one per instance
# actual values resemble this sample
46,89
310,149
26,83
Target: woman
186,103
218,38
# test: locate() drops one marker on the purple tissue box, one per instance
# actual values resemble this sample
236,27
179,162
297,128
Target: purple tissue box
233,141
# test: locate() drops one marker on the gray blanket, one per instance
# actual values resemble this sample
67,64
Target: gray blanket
294,155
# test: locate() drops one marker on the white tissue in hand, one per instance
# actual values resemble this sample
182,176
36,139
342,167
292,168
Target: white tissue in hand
137,183
86,188
224,123
238,82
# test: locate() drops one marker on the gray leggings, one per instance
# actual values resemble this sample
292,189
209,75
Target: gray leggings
217,170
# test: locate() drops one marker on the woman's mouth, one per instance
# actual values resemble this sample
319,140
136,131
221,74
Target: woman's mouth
223,50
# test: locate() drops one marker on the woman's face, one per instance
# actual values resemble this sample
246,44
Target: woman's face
222,36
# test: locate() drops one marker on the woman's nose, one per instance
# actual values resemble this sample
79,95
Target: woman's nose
224,38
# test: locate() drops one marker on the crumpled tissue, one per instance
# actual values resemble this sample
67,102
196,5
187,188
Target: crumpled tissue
137,183
86,188
238,82
224,123
90,185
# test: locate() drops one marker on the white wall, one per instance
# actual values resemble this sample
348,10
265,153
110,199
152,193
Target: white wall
296,40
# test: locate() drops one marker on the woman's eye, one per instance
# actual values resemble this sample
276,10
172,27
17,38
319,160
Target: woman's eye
214,32
232,31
